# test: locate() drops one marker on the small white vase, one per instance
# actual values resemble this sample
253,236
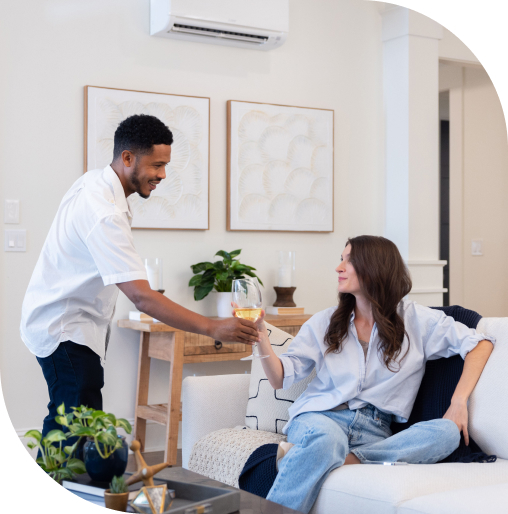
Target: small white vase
223,302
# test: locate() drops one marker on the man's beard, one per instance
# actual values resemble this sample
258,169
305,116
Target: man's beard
136,183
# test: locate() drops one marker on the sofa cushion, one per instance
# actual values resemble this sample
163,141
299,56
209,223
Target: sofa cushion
267,409
222,454
488,416
487,498
371,488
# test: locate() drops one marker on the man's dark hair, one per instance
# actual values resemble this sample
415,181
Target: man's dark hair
138,133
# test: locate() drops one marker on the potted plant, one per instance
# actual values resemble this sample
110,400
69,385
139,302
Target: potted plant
117,496
219,276
105,452
56,458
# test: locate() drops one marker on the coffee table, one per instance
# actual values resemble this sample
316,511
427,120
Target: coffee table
249,503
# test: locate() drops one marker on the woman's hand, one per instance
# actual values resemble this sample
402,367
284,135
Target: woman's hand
457,412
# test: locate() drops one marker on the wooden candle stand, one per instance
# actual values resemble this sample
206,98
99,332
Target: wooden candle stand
284,297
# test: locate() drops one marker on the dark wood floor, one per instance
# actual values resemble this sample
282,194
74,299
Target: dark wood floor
152,458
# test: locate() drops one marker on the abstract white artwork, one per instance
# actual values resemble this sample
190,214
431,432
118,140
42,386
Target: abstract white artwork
280,168
181,199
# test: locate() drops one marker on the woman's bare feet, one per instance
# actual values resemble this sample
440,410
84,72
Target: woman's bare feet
352,459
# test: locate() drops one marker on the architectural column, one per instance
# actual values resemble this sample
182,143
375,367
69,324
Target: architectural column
411,101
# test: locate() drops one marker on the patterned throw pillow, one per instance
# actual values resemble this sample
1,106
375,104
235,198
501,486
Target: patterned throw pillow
267,408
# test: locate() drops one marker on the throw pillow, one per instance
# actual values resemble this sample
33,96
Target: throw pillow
267,408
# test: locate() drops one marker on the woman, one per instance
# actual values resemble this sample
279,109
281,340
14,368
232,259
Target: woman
369,354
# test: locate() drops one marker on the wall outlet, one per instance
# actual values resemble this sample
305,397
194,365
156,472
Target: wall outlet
15,240
477,247
11,213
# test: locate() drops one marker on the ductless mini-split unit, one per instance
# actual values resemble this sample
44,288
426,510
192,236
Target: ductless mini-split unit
257,24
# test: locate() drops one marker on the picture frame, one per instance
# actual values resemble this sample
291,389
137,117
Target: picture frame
182,200
280,169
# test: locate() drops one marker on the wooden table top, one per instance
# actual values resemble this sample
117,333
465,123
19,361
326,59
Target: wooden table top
249,503
275,320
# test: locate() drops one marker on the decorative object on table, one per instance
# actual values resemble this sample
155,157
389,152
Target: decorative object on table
286,287
153,267
285,311
181,201
141,316
219,276
280,168
57,461
144,473
117,496
154,499
105,452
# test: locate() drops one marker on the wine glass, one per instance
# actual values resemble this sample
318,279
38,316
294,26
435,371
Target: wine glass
246,297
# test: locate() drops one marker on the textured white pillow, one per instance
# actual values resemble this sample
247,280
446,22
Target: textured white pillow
488,415
267,408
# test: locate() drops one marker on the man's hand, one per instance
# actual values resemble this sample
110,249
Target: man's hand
457,412
235,330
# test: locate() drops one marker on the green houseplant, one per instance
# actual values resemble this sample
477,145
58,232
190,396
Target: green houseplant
218,276
56,458
105,452
117,496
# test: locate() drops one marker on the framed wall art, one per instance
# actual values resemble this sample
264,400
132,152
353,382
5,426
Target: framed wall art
181,201
280,168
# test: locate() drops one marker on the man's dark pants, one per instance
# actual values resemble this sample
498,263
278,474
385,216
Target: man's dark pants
75,377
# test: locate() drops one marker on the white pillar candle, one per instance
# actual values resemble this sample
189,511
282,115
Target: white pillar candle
153,277
285,276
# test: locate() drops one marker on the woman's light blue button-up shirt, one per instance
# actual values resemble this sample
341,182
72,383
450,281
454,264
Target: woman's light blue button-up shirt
349,377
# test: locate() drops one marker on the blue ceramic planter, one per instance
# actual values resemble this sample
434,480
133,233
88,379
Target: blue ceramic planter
103,470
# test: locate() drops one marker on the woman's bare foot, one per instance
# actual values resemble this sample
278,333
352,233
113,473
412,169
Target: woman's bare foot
352,459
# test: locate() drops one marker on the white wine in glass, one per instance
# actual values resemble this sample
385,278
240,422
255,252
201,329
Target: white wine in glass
246,297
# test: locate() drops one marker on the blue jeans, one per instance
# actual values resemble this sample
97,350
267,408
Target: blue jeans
75,377
323,439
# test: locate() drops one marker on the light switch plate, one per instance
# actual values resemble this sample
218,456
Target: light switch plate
15,240
11,213
477,247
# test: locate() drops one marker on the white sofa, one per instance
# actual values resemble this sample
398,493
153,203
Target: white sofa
212,404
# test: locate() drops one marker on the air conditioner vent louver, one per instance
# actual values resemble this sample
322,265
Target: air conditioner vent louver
218,33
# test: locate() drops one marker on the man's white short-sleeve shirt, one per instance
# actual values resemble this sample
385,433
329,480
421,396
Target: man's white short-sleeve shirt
72,293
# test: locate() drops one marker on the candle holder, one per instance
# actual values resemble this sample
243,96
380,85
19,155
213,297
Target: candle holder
284,297
154,271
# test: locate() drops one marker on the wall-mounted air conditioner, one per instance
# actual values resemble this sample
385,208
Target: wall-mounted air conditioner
258,24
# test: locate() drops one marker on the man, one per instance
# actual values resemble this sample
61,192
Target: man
88,256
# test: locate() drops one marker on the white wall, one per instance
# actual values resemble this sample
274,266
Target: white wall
50,49
485,195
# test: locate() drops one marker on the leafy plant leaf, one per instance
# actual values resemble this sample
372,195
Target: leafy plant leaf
111,418
55,436
61,420
198,268
84,432
34,434
77,466
224,255
106,438
234,253
123,423
195,280
61,409
201,291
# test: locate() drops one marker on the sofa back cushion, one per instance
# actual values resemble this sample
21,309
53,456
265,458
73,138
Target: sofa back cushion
488,415
267,408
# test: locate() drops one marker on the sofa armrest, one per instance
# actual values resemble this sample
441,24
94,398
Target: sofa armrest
211,403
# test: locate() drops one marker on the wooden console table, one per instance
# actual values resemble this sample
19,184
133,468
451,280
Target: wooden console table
166,343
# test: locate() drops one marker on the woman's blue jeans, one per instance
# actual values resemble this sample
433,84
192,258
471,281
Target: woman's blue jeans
322,441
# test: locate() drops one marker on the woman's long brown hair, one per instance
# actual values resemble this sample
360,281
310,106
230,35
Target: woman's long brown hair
384,280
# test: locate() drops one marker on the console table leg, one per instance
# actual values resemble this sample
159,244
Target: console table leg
142,388
175,392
